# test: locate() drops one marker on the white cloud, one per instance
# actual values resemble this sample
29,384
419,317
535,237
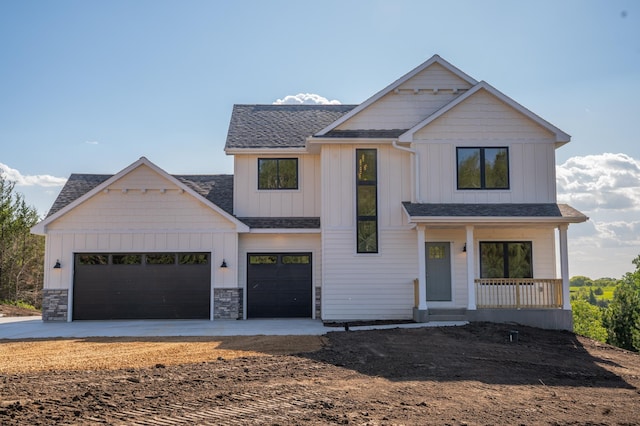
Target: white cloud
91,142
306,98
600,182
29,180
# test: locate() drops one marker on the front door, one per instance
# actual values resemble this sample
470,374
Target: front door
438,265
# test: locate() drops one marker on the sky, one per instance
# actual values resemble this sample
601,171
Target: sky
91,86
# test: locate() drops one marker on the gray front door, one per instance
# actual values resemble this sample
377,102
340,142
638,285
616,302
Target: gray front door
438,264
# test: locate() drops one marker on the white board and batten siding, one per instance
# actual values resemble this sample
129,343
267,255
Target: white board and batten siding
141,212
484,121
249,201
366,286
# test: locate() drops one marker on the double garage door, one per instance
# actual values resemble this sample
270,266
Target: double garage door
142,286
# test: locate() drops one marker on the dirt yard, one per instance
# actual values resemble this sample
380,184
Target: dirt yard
456,375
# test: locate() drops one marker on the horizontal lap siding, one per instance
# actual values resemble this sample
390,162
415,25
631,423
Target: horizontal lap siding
369,286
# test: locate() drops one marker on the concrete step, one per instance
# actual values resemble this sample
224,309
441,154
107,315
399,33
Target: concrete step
447,314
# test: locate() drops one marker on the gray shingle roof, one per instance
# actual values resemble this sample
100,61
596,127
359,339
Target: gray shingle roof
216,188
492,210
282,222
387,134
279,126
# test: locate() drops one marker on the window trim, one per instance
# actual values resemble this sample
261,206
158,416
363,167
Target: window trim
368,218
277,159
506,256
482,169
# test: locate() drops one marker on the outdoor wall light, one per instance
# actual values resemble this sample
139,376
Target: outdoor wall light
57,265
464,248
224,264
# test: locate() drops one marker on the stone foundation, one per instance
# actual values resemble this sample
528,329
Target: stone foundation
55,304
227,303
318,307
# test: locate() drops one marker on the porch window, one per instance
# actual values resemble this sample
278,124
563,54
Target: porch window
277,173
483,168
367,200
506,259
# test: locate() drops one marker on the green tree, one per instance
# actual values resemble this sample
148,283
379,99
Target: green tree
587,320
21,253
622,317
580,281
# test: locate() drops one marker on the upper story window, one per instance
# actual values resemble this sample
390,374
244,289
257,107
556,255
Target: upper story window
277,173
367,200
510,259
483,168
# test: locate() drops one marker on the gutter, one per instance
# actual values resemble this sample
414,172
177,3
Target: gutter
416,168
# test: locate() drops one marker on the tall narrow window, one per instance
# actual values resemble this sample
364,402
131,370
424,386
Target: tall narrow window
483,168
367,200
277,173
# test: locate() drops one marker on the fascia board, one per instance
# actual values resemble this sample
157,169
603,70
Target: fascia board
314,140
284,231
259,151
494,219
434,59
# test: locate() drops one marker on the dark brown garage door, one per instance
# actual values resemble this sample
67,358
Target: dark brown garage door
279,285
141,286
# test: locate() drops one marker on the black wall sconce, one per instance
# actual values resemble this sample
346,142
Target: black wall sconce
464,249
224,264
57,265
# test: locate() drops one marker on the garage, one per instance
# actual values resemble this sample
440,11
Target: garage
141,286
279,285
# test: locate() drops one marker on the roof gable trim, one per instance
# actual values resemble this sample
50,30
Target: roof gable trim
434,59
40,227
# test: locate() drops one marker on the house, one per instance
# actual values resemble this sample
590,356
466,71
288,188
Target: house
434,199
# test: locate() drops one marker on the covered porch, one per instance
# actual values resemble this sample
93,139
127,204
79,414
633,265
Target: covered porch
529,291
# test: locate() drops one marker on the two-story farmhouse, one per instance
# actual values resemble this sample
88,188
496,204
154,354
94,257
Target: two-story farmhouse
434,199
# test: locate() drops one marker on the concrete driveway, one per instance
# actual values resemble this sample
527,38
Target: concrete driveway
33,327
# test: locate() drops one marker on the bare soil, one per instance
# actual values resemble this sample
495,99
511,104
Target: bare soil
467,375
16,311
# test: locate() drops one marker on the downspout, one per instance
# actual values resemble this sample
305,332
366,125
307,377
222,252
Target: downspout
416,168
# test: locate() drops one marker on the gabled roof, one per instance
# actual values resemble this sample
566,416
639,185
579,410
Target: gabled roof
561,137
215,191
278,126
433,60
457,212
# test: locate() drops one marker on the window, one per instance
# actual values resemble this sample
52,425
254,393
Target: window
93,259
506,260
483,168
126,259
293,259
367,200
193,259
277,173
161,259
263,260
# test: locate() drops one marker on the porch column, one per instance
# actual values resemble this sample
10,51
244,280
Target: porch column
564,266
470,269
422,270
421,312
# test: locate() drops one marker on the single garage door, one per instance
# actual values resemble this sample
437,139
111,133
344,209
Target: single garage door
141,286
279,285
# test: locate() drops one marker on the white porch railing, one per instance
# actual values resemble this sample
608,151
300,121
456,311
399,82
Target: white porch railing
518,293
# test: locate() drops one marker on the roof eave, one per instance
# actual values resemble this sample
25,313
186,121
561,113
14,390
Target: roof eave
494,219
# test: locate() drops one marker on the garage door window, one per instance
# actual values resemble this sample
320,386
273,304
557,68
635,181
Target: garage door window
193,259
93,259
290,260
161,259
126,259
263,260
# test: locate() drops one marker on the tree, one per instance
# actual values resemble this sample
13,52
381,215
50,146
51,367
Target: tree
580,281
622,318
21,253
587,320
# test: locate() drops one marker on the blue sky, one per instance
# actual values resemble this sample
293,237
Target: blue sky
91,86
